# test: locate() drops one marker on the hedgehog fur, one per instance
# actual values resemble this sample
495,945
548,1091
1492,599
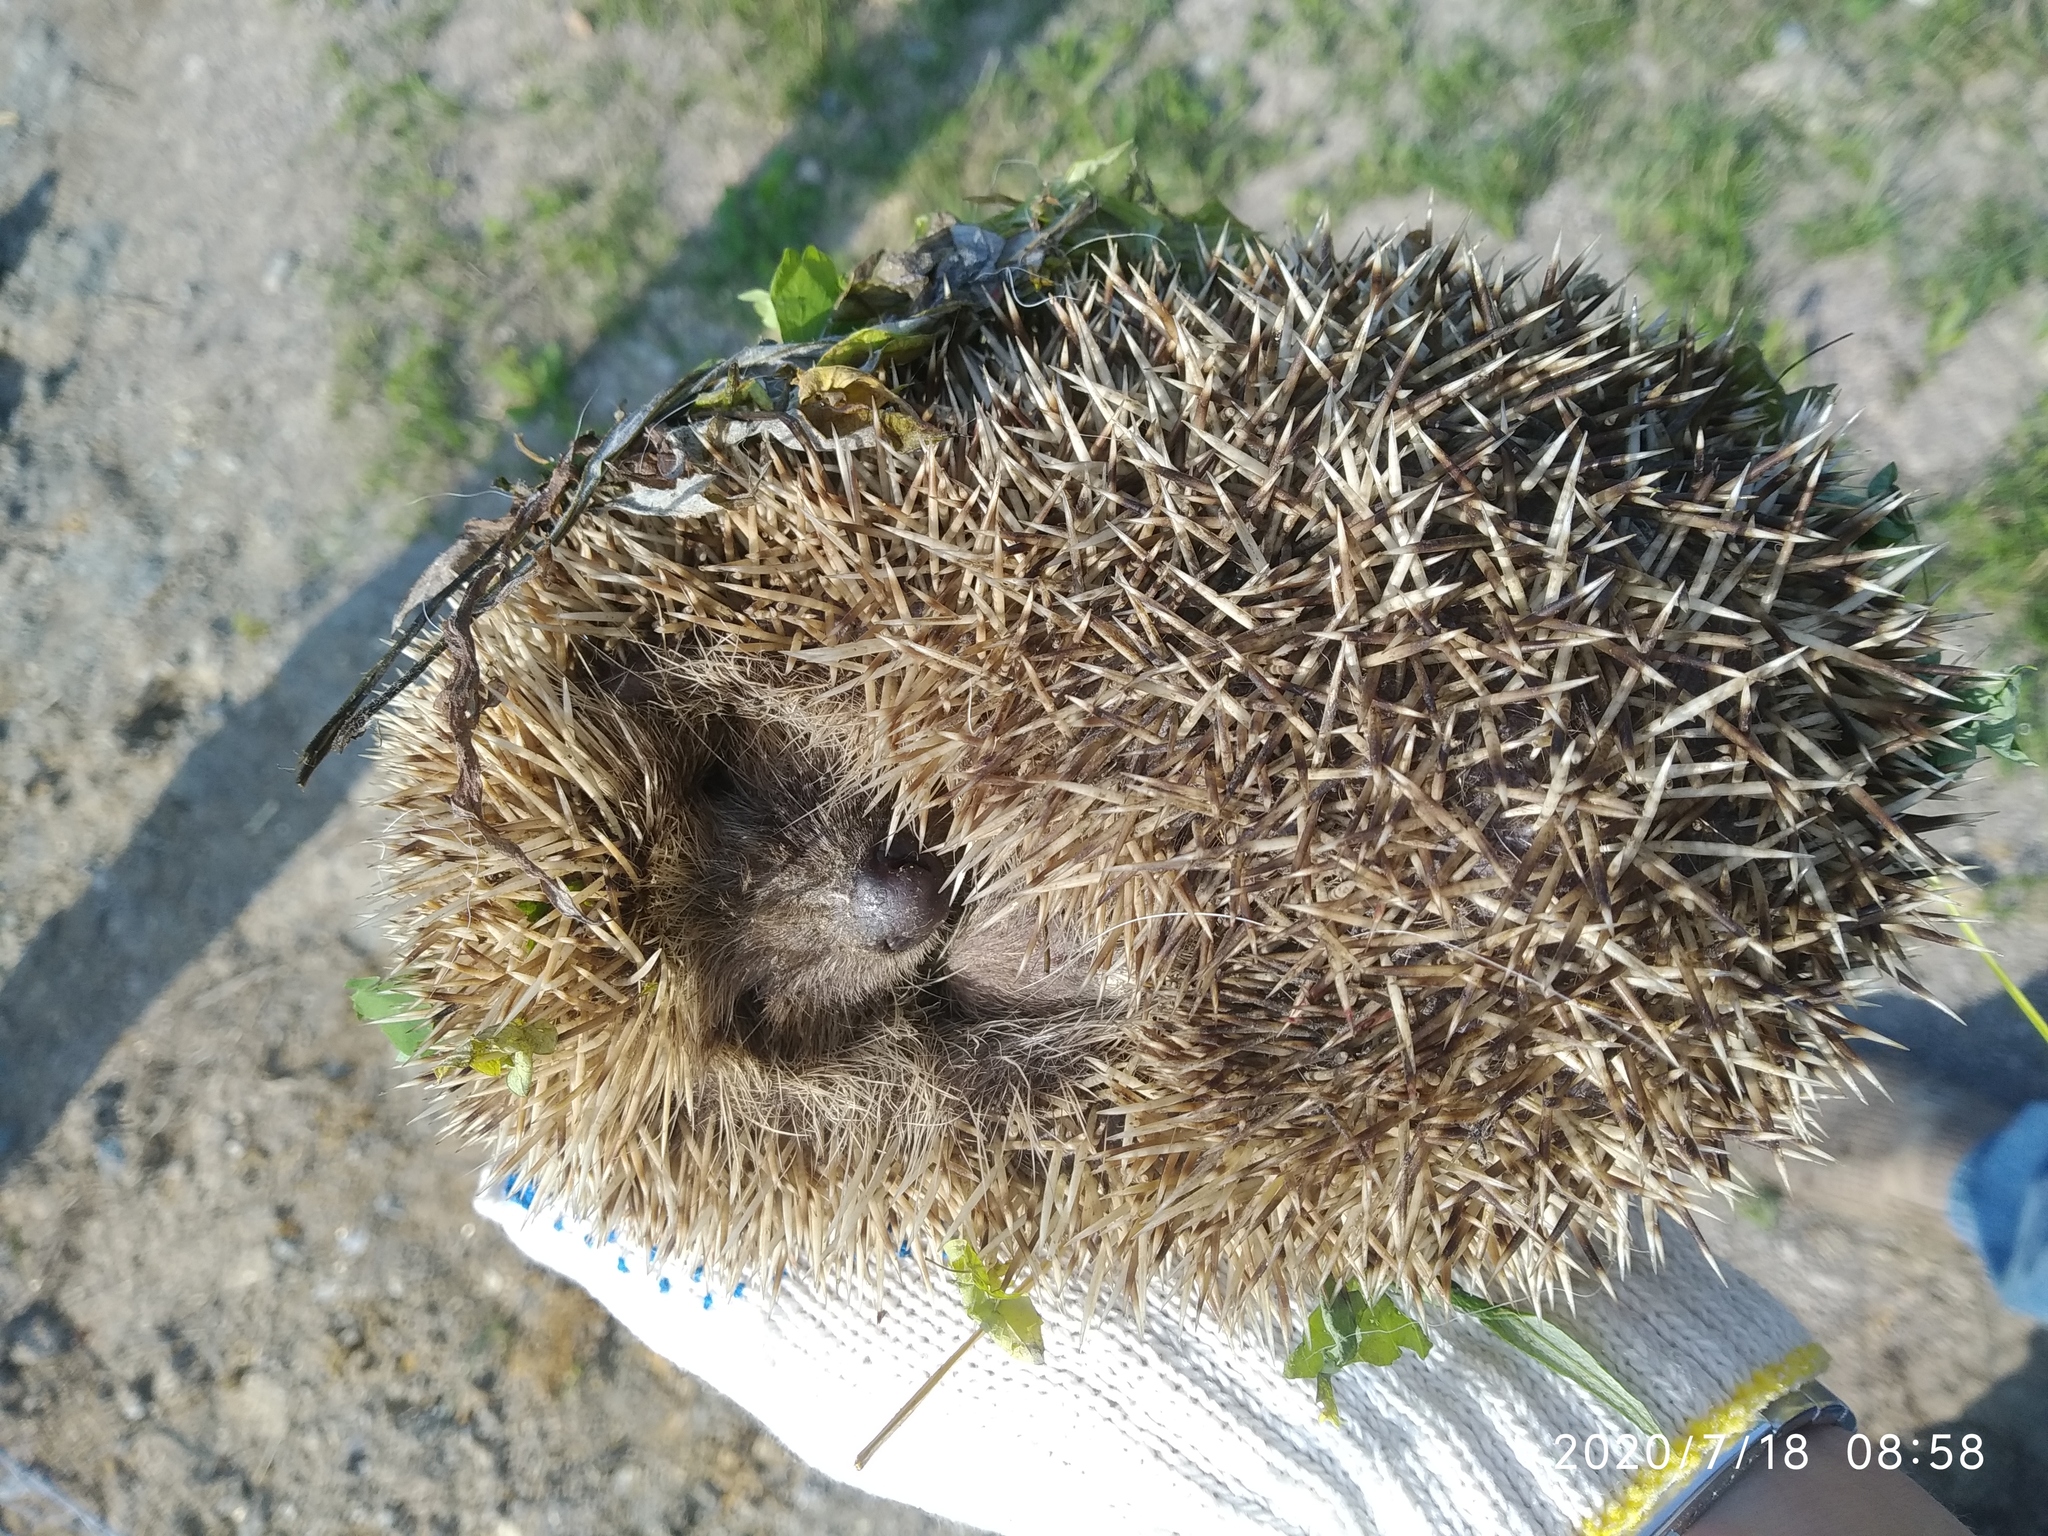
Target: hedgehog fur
1453,744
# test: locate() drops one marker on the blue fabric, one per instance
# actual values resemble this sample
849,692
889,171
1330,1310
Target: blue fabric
1998,1204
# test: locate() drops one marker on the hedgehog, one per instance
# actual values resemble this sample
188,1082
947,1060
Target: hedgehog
1201,765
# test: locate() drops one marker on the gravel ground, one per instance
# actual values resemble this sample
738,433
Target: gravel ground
239,1288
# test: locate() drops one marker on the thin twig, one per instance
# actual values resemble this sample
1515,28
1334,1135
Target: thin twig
890,1428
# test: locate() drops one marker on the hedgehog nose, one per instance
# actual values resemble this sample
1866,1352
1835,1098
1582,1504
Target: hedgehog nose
897,900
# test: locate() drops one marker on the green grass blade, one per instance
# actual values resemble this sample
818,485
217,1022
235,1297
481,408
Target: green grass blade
1551,1347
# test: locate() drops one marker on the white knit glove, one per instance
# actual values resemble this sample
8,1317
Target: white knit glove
1174,1427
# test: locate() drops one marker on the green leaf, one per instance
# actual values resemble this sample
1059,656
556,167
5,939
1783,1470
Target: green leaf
801,294
1550,1346
764,306
508,1052
1085,173
1129,214
407,1036
394,1010
1349,1330
735,394
375,999
874,341
533,911
534,1036
842,388
836,399
1890,531
1993,724
1006,1316
1326,1399
1895,527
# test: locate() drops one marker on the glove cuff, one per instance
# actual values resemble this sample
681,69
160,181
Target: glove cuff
1672,1507
1701,1459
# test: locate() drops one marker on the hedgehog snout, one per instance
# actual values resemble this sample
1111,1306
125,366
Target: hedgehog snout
899,897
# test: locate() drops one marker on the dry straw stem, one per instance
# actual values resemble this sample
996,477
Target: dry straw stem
1477,721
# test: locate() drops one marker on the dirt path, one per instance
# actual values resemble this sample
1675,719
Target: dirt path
238,1285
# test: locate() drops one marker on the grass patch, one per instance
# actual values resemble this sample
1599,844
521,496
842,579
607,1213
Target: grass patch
1468,117
1493,121
1472,133
1997,550
594,240
869,99
785,40
783,204
460,317
1847,227
1697,182
402,278
1585,33
1641,104
1101,76
457,320
1189,129
1961,39
1865,218
2001,246
1956,254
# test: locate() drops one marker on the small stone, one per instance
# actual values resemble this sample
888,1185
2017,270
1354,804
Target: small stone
39,1332
278,270
134,1398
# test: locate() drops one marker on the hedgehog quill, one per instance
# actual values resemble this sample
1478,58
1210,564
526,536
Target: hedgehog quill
1204,764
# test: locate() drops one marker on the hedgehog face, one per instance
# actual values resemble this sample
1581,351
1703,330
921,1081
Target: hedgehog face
815,940
795,910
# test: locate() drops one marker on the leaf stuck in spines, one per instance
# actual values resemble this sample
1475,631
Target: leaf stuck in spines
798,301
1006,1316
395,1010
1346,1330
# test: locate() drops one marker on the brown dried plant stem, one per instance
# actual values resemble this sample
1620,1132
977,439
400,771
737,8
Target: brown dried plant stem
895,1423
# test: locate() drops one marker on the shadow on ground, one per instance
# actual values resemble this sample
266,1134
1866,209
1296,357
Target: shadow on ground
226,824
1996,1054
